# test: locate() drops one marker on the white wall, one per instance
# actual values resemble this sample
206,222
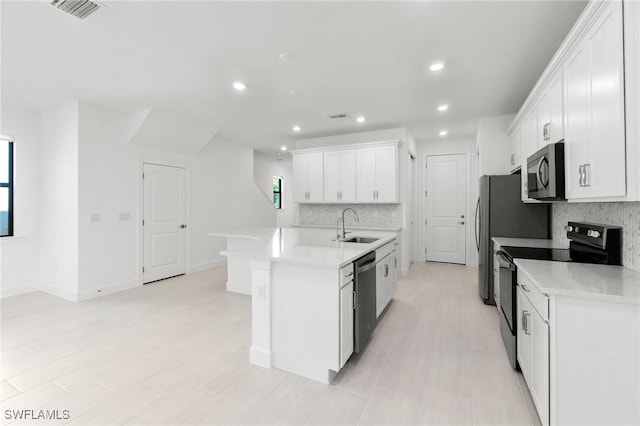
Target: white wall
265,167
443,147
492,144
224,197
107,176
75,163
59,201
20,254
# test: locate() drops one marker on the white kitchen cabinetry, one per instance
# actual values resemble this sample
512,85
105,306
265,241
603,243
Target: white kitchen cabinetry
533,344
377,174
307,177
528,146
386,274
550,111
340,176
346,314
594,111
514,146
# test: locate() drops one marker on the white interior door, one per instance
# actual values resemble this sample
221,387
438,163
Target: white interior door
446,194
164,222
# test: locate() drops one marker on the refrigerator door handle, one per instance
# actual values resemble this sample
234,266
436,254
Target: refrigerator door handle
477,222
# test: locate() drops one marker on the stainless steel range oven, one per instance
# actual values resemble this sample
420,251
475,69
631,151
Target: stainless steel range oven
589,243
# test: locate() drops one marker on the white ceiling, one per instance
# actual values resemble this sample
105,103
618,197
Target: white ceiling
367,58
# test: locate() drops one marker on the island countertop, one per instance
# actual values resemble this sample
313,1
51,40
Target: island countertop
317,247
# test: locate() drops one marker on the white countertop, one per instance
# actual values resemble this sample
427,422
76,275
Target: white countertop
299,245
529,242
583,279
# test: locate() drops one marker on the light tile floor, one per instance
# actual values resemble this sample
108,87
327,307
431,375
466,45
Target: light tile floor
176,352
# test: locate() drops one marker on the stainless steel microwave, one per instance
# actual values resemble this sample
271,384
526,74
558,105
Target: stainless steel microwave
545,173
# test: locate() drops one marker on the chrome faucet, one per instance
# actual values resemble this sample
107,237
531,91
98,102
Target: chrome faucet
342,235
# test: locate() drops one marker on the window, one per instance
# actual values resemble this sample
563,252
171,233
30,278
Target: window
6,187
277,192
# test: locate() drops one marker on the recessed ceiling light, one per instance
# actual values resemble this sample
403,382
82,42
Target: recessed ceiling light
443,132
443,107
296,128
361,119
283,148
238,85
285,56
437,66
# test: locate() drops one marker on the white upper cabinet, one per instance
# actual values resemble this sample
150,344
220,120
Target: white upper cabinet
528,146
376,174
357,173
594,111
340,176
514,146
307,177
550,111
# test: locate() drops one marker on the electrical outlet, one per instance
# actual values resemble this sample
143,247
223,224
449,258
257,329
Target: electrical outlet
260,289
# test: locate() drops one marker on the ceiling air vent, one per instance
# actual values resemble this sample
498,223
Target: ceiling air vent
340,115
78,8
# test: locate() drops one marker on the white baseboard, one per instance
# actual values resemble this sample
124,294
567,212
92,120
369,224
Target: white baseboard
15,291
260,357
108,289
68,295
207,265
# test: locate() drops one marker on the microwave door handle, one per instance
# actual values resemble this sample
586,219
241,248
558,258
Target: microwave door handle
542,161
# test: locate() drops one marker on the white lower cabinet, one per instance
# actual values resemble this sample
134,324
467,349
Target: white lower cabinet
386,275
533,349
346,322
580,356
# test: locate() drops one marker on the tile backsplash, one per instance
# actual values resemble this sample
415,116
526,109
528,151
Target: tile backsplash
371,215
626,215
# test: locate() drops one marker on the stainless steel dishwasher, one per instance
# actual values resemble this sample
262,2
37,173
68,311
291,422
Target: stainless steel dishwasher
364,314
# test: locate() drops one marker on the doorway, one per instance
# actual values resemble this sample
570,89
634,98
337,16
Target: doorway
164,222
445,208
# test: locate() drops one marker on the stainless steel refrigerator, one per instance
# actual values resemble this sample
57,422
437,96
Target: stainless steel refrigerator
501,213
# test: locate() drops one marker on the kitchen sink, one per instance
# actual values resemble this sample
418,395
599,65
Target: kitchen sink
361,240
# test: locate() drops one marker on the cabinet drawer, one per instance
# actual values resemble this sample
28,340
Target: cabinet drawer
539,301
385,250
346,274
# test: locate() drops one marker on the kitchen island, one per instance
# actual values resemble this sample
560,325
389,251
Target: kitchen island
300,283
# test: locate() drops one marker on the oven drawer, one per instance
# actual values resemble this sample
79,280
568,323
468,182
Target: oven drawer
539,300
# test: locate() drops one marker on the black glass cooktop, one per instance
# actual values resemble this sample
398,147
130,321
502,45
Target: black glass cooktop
557,255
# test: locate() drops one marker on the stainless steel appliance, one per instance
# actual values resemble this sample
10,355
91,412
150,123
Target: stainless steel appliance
364,314
501,213
545,173
589,243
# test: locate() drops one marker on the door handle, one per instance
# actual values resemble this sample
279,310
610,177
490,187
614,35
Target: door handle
183,226
461,222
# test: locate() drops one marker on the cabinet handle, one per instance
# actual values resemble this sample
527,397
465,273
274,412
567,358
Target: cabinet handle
525,288
395,262
386,270
545,131
587,174
355,300
513,159
527,315
349,274
581,175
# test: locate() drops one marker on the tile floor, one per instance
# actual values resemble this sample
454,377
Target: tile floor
176,352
